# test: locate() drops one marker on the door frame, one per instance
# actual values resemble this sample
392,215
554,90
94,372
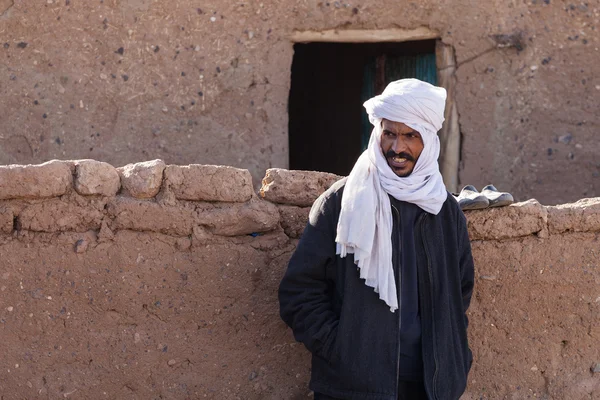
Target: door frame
449,135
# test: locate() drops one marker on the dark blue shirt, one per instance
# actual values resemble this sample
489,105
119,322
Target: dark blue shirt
411,359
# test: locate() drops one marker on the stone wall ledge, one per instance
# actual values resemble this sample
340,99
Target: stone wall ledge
82,195
56,215
581,216
209,183
50,179
96,178
297,188
532,218
294,192
142,180
127,213
517,220
222,219
75,213
81,213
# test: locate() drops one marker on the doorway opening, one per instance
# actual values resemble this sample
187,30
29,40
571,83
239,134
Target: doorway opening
328,126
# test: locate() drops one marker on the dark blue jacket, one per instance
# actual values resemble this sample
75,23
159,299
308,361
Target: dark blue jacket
352,334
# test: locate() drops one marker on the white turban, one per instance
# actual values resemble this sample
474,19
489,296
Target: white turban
365,224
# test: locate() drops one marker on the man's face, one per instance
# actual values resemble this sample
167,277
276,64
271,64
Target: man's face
401,147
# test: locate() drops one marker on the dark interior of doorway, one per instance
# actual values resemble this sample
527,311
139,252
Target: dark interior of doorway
329,82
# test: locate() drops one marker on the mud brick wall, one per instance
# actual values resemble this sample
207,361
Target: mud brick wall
155,281
208,81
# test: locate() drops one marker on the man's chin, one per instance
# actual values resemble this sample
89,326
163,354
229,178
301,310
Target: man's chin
401,172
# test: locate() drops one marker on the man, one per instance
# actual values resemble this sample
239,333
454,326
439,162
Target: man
380,282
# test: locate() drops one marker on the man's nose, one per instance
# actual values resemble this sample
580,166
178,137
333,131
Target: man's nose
399,145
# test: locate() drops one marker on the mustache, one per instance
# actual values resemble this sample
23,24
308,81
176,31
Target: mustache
402,154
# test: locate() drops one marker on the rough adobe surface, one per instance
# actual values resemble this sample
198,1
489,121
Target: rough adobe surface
178,324
293,219
300,188
535,318
581,216
519,219
238,219
209,82
6,220
209,183
50,179
57,215
145,215
142,180
96,177
143,299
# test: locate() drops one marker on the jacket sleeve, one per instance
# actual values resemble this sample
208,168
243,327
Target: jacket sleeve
467,268
305,293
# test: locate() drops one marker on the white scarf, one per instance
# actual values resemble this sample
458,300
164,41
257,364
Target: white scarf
365,224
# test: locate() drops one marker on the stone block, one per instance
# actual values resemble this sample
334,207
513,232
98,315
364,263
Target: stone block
96,177
239,218
209,183
581,216
56,215
293,219
517,220
51,179
142,180
6,219
298,188
145,215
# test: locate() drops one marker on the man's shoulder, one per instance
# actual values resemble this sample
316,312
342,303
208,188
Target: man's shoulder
331,199
450,203
451,209
335,191
338,186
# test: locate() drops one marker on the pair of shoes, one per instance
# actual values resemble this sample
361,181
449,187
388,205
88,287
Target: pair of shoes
496,198
470,199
